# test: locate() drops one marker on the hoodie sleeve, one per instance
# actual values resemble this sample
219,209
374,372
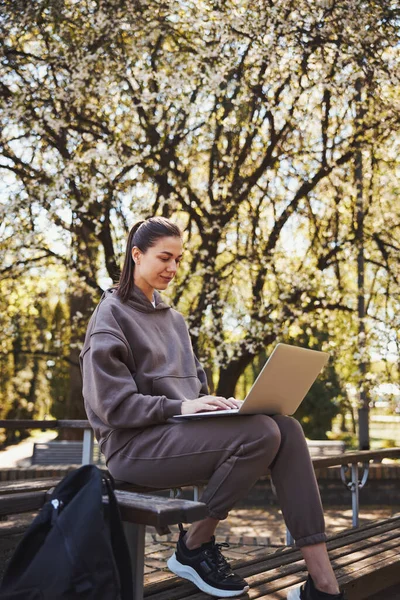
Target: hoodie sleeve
110,389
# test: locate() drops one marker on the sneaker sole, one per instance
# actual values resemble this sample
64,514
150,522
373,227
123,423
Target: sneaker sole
191,574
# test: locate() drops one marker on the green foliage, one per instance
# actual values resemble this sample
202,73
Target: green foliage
32,359
388,443
322,402
318,408
243,121
58,368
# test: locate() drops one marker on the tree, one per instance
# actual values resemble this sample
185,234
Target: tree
58,368
234,118
322,402
24,386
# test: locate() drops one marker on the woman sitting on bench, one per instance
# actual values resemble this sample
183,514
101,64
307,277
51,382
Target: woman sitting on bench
139,370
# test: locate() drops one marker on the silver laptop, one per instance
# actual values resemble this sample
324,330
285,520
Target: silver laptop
281,386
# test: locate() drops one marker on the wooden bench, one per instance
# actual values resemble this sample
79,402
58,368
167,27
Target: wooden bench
366,561
262,574
320,448
138,510
63,452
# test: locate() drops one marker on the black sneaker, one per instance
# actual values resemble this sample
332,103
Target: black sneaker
308,591
207,569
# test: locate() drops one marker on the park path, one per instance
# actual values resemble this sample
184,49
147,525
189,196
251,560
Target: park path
18,455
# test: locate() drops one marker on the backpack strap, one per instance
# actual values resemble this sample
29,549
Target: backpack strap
118,540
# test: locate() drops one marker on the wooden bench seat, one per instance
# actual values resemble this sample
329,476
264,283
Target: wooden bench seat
143,509
35,488
138,510
63,452
320,448
366,561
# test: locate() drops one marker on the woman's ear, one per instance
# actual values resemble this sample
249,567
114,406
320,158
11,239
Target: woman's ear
136,255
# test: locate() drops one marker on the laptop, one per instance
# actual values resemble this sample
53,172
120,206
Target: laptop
281,386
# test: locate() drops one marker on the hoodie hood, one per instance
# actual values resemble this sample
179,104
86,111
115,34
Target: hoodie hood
139,301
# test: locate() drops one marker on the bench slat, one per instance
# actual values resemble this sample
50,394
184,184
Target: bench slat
47,424
136,508
19,503
26,485
367,546
386,530
355,457
157,511
345,562
372,576
62,452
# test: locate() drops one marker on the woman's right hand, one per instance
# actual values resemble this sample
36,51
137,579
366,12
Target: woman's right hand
204,403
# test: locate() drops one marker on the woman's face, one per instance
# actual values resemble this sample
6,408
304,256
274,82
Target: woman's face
155,268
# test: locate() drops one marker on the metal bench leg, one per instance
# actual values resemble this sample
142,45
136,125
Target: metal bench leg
354,486
355,502
135,537
197,491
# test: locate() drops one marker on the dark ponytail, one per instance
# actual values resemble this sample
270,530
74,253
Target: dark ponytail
144,235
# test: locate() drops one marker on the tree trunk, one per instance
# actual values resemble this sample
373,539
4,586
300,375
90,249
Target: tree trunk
363,412
229,375
210,382
75,408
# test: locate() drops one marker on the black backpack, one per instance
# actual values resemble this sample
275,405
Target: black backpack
75,548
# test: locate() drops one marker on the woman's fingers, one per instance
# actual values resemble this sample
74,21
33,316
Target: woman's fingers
189,407
208,403
237,403
221,401
210,407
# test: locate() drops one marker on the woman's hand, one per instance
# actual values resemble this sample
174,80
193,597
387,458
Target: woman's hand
204,403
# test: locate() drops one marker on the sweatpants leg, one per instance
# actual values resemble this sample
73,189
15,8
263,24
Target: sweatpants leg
231,453
296,486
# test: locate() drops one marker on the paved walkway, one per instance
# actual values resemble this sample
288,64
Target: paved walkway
19,455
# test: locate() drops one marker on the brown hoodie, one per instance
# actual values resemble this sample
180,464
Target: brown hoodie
137,366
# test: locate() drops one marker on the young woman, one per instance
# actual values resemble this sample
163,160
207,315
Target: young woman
139,370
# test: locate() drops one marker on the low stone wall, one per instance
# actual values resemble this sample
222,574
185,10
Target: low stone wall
382,487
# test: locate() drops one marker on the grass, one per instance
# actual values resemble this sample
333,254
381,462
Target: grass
382,434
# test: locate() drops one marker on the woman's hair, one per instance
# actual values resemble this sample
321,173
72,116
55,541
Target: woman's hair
144,235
